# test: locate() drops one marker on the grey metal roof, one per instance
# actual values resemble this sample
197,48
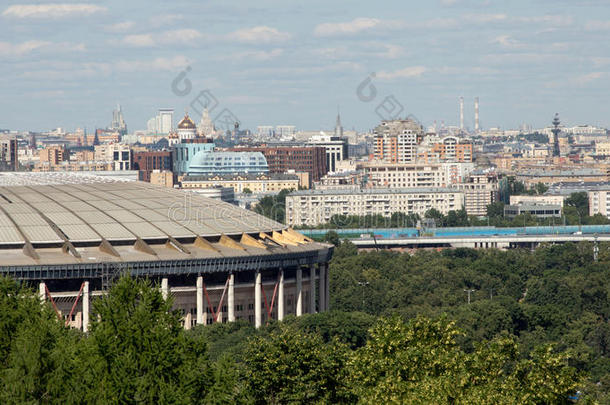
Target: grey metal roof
118,211
101,222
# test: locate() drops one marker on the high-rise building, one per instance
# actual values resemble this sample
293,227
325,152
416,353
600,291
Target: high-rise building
54,155
147,162
448,149
166,120
285,130
119,155
396,141
9,158
336,148
118,121
338,127
265,131
206,125
281,159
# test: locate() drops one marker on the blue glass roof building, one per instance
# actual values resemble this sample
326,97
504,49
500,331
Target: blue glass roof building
228,163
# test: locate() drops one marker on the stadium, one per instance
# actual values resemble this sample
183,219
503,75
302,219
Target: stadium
70,237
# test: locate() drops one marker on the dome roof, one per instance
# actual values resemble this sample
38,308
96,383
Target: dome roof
186,123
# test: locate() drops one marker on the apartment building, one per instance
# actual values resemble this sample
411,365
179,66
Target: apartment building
119,155
54,155
405,175
314,207
396,141
256,183
479,190
9,155
379,174
599,201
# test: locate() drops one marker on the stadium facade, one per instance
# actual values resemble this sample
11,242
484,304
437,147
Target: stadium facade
219,262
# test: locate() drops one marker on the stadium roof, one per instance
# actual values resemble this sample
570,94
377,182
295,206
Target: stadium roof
131,221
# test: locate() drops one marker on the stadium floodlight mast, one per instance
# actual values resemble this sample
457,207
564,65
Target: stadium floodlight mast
469,291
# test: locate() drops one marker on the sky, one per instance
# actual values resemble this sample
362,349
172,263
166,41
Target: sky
297,63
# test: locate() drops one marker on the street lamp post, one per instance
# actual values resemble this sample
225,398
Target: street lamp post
363,284
469,291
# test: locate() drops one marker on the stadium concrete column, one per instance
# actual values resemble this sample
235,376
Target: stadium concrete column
258,321
200,300
164,288
231,300
42,291
312,289
86,306
280,297
322,288
299,309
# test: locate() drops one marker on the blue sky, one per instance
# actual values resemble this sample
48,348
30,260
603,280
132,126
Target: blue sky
279,62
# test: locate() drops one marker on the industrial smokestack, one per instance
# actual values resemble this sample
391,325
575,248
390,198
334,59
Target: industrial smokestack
461,113
476,114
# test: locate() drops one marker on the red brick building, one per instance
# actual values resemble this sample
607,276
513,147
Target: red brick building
280,159
146,162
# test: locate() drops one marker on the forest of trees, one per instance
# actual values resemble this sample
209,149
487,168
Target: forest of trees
400,330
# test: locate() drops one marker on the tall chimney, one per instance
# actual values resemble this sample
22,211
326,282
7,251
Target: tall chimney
476,114
462,113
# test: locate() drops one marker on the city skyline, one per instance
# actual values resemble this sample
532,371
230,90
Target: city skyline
293,65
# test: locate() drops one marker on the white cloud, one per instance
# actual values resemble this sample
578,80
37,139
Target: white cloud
72,70
121,27
8,49
595,25
554,20
183,36
346,28
139,40
257,55
52,10
259,34
179,36
392,51
408,72
588,78
485,18
506,41
171,64
23,48
164,19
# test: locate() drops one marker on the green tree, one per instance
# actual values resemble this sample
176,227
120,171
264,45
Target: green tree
246,190
274,207
141,353
294,367
580,201
540,188
332,237
420,362
495,210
